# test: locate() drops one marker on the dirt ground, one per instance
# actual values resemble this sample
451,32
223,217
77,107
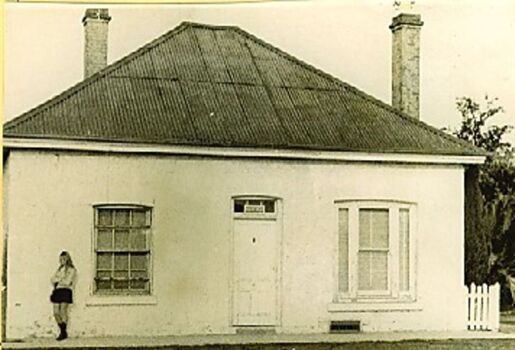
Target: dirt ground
507,326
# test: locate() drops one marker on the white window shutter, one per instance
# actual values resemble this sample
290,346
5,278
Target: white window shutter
343,248
404,254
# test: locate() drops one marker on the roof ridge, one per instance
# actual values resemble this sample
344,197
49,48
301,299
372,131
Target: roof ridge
209,26
353,89
67,93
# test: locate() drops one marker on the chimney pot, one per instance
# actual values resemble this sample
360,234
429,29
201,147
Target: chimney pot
96,14
95,23
405,29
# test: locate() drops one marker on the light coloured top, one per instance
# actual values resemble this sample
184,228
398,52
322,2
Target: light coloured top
64,277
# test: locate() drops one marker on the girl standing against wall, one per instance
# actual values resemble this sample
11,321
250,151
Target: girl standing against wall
62,296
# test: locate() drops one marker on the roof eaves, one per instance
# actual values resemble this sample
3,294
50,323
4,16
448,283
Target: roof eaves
183,142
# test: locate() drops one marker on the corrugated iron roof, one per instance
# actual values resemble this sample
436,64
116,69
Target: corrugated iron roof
221,86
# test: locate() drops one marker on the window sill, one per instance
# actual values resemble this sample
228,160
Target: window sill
108,300
374,306
267,216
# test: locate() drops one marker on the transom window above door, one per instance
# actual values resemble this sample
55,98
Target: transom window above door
254,207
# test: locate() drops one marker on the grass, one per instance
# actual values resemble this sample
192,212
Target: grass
508,321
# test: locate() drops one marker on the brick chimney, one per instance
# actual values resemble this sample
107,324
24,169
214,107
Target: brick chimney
95,23
406,63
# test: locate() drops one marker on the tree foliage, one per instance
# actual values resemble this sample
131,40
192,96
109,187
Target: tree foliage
497,174
474,124
490,248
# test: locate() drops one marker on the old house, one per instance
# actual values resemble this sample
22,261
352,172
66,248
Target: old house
209,182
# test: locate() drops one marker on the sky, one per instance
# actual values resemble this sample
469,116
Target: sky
467,46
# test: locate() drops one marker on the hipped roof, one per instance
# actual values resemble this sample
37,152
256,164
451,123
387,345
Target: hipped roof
206,85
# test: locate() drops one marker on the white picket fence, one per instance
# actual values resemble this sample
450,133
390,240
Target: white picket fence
483,303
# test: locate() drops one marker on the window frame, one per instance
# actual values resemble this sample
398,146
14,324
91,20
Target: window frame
393,293
149,213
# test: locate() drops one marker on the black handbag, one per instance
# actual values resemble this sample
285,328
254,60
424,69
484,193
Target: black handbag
53,295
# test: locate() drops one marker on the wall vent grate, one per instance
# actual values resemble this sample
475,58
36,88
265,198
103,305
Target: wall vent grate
344,326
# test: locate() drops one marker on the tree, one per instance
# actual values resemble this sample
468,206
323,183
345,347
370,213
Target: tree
498,166
490,223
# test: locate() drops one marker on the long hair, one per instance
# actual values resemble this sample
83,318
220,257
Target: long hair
68,259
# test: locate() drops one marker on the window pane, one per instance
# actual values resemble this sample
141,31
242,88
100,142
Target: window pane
254,202
139,218
123,284
124,274
364,228
121,262
105,217
104,239
121,217
138,262
104,274
104,261
379,271
373,271
137,284
380,229
138,239
103,284
121,239
239,206
373,228
404,260
364,271
269,206
139,275
343,248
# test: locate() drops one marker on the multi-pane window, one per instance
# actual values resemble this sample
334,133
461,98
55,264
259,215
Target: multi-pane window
122,249
375,249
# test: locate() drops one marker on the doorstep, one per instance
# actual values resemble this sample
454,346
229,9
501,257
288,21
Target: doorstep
242,339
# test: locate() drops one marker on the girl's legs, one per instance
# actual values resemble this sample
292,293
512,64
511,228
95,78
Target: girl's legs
59,320
63,312
57,313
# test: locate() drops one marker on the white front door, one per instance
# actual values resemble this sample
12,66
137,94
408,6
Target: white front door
255,270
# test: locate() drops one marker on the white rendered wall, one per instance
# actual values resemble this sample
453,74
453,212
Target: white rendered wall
50,198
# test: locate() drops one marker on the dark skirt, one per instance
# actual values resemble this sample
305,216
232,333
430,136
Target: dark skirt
62,295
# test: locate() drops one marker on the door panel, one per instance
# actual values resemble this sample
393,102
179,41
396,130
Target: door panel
256,272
